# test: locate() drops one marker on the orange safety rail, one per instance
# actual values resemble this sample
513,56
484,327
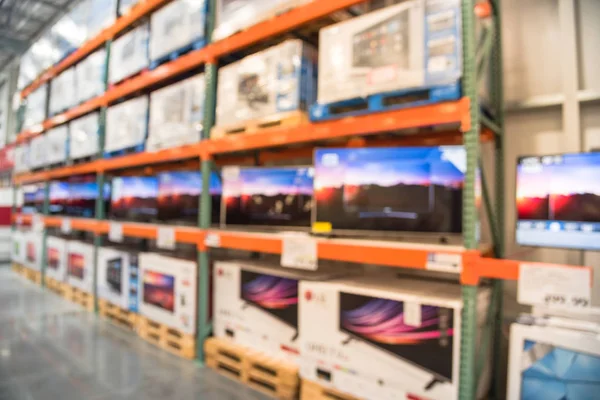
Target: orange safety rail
142,9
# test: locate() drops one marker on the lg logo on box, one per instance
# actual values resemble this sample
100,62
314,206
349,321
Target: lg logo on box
316,297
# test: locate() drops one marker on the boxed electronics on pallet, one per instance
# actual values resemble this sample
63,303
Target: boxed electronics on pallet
22,158
35,107
84,136
413,48
279,79
257,306
177,25
56,258
169,290
117,277
56,143
18,247
38,152
126,5
126,125
80,265
270,197
234,16
548,362
129,54
384,337
176,114
63,92
91,76
102,14
33,250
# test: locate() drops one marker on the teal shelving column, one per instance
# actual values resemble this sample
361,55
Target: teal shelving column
44,233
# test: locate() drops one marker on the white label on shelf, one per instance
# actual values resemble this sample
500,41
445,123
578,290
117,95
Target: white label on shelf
19,219
230,173
444,262
299,250
165,238
65,226
212,240
412,313
115,232
37,223
558,286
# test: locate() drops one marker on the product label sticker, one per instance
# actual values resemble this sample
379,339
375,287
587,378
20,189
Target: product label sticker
65,226
299,250
212,240
165,238
115,232
322,227
444,262
412,313
556,286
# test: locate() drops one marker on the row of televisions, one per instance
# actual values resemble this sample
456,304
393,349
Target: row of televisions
390,190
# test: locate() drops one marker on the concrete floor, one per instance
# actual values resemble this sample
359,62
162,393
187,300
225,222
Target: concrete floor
53,349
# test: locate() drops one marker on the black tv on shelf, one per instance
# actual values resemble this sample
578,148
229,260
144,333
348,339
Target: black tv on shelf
558,201
83,192
134,198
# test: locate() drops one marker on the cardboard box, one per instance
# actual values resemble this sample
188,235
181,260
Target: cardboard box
117,277
129,54
126,5
102,14
17,252
56,258
35,108
177,114
56,144
63,92
412,45
91,76
279,79
38,152
84,136
383,337
168,288
176,25
33,250
22,158
234,16
126,124
80,265
553,363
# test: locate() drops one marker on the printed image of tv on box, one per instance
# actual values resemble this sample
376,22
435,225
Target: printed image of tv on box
409,189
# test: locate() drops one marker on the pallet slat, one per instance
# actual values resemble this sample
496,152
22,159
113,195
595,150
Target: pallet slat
167,338
78,296
280,120
314,391
124,318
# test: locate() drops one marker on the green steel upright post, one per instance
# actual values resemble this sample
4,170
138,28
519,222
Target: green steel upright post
467,384
45,210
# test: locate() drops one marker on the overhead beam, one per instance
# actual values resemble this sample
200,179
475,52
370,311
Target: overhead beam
18,14
15,46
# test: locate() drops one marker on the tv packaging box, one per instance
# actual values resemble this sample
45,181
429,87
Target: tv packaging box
412,45
56,258
129,54
270,196
279,79
547,362
176,114
117,277
80,265
126,124
84,136
57,140
38,152
234,16
90,75
169,291
63,91
35,108
33,250
384,337
176,25
18,247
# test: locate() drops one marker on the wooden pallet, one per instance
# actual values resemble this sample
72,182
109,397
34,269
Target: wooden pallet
84,299
167,338
17,268
314,391
261,372
124,318
28,273
280,120
60,288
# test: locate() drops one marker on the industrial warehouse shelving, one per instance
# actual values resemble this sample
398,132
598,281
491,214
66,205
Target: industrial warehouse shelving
475,263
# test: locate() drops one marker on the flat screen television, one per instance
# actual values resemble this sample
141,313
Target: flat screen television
58,196
179,196
276,295
268,196
83,192
113,274
134,198
380,322
33,199
76,265
403,189
53,258
159,290
558,201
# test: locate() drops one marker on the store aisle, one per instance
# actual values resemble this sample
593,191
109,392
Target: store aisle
52,349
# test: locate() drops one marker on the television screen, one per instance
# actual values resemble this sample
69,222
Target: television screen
552,372
134,198
268,196
179,194
33,199
83,192
408,189
58,197
276,295
53,258
159,290
113,274
380,322
558,201
76,265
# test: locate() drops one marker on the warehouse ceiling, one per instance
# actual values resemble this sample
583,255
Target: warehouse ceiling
22,21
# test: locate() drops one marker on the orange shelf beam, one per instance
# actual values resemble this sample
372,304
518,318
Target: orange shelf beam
142,9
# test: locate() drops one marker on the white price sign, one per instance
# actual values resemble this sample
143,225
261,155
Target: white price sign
115,232
212,240
65,226
299,251
37,222
558,286
165,238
